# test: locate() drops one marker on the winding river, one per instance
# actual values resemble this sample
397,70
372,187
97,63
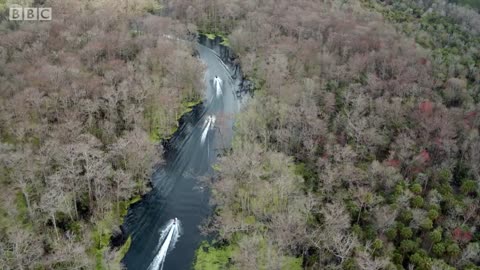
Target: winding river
177,190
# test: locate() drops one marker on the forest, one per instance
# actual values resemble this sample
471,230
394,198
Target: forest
84,99
361,147
359,150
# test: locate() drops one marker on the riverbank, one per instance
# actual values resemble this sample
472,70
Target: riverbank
177,188
119,241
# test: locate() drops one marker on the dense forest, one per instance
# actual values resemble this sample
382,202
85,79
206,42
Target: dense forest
84,100
359,150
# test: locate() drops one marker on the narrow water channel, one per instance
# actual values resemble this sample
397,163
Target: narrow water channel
190,154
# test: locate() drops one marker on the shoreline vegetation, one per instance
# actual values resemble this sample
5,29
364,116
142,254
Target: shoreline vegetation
225,41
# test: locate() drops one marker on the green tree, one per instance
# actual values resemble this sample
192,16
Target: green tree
433,214
438,249
391,234
419,260
377,244
426,224
416,188
408,246
406,232
468,186
453,250
436,235
406,216
417,201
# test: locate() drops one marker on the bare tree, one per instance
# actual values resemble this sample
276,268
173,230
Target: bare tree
366,262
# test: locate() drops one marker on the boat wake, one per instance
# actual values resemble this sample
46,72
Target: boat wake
209,124
218,85
168,238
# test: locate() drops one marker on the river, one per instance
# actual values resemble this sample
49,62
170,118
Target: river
177,189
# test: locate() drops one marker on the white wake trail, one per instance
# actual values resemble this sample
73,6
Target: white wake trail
213,119
218,85
168,239
206,127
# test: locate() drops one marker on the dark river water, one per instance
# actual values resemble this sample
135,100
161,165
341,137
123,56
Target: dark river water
178,191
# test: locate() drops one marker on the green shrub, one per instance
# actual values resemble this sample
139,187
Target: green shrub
453,250
397,258
426,224
349,264
438,249
408,246
471,266
209,257
391,234
468,186
436,235
406,216
369,232
445,175
308,173
292,263
417,202
406,233
357,230
398,189
421,260
416,188
445,189
433,214
377,244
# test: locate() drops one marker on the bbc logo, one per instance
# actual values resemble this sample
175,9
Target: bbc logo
19,13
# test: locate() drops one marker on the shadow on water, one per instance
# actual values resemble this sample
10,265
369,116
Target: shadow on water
177,191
